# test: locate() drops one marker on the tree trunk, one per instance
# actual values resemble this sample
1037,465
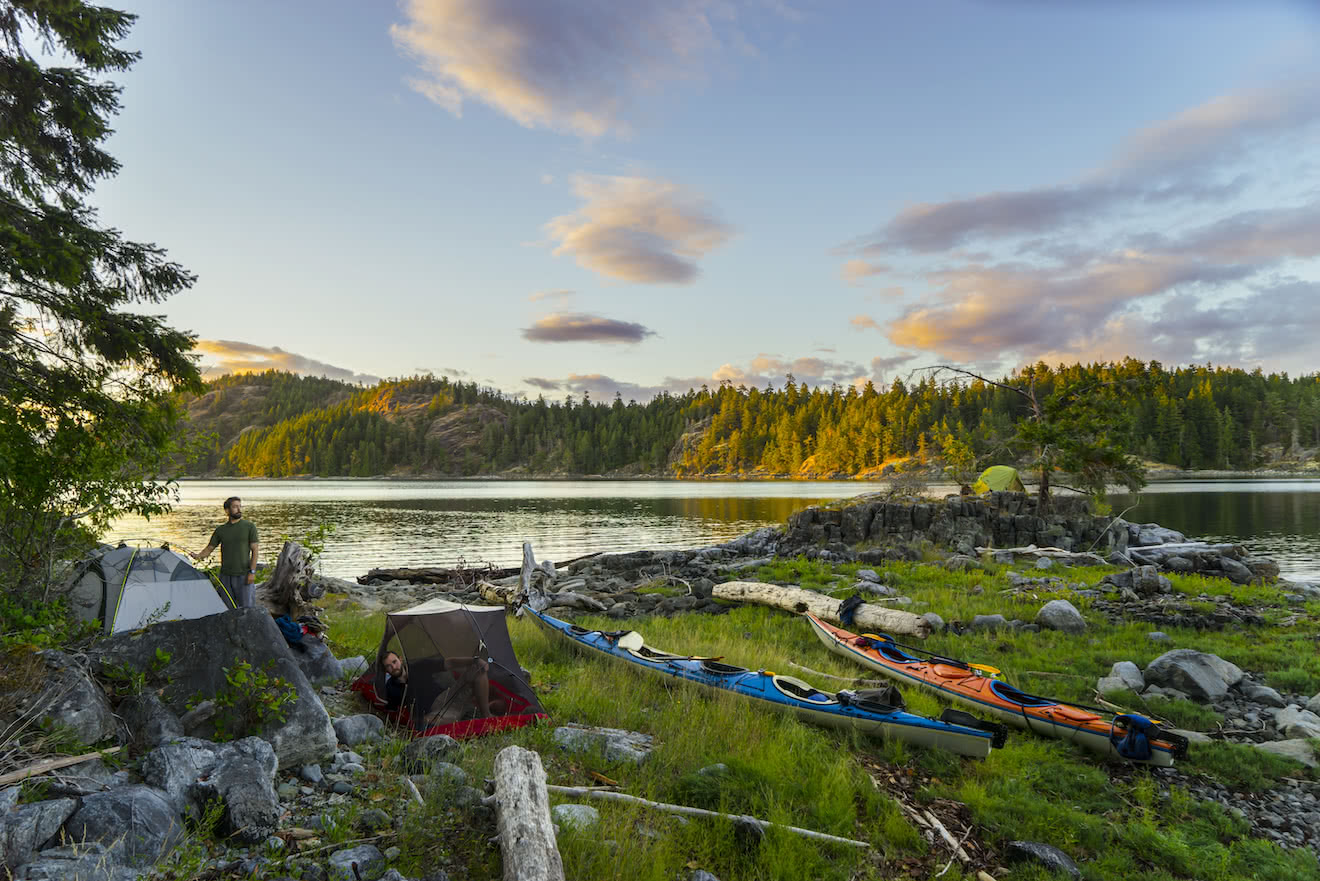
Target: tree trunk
795,599
292,586
522,816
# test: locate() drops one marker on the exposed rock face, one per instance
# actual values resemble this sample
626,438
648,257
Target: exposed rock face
192,772
616,744
70,697
24,829
148,720
1298,749
1196,674
136,824
201,649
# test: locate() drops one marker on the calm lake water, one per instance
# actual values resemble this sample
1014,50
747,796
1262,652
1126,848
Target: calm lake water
442,523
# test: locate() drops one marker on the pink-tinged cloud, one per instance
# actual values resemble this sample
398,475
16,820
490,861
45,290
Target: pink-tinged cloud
239,357
638,229
854,271
559,296
864,322
580,327
569,65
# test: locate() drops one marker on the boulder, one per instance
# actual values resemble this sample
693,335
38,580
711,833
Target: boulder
70,697
82,862
1061,615
200,651
1314,705
1263,694
616,744
1148,534
1295,723
422,753
1299,749
353,666
1190,672
240,774
936,622
1046,855
579,818
362,863
316,660
137,824
1129,674
84,779
24,829
1235,571
352,730
149,722
989,622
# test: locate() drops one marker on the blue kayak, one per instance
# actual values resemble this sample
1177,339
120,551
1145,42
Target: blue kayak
876,714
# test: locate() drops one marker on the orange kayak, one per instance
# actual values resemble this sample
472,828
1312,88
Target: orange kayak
1130,737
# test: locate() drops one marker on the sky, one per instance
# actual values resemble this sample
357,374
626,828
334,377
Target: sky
568,197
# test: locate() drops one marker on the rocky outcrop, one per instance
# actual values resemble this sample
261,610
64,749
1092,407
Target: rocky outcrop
200,650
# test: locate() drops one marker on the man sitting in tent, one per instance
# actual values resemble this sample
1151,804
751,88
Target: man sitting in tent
438,690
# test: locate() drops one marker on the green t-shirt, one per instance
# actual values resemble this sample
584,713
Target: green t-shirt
233,539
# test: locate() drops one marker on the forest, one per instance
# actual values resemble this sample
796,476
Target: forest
277,424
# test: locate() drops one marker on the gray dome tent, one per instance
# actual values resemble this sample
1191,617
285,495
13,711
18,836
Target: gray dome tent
129,587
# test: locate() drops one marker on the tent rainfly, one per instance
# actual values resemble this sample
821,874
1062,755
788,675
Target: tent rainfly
424,637
998,477
128,587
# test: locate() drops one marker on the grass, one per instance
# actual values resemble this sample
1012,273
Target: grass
1112,819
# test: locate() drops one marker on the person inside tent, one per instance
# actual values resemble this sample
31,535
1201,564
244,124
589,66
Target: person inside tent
437,690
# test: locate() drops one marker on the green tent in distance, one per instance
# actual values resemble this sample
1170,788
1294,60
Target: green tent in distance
998,477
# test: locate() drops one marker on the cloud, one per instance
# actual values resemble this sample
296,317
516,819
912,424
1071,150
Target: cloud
579,327
239,357
558,296
1185,218
542,383
855,270
568,65
638,229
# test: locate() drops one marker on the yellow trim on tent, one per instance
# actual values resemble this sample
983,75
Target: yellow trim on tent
119,600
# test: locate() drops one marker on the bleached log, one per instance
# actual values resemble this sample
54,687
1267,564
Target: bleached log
576,601
292,585
45,765
684,810
794,599
522,818
495,594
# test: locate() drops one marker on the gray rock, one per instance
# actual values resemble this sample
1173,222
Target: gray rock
715,770
1230,673
85,778
352,730
616,744
1046,855
137,824
422,753
1298,749
373,819
1158,636
1193,736
84,862
1149,534
201,650
1044,563
9,798
26,828
989,622
1263,694
1130,673
1314,705
577,817
70,697
316,660
311,773
368,859
449,773
702,875
874,589
1110,685
1061,615
353,666
149,722
867,575
1295,723
1190,672
1235,571
936,622
240,774
1171,694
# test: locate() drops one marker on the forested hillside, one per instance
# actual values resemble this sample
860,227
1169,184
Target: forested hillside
280,425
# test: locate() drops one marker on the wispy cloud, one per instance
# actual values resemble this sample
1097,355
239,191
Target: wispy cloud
548,385
854,271
580,327
569,65
233,356
559,296
638,229
864,322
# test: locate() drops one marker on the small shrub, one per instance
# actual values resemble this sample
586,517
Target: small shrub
123,680
250,700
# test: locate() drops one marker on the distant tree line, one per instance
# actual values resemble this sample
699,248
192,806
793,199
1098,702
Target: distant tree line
285,425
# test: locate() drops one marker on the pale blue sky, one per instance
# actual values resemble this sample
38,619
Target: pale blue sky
742,188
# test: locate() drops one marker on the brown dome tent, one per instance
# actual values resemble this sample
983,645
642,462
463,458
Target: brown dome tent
439,642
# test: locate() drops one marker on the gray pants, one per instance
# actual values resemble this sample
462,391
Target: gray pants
243,594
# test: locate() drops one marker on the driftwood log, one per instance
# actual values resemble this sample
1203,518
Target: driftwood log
795,599
522,817
441,575
293,585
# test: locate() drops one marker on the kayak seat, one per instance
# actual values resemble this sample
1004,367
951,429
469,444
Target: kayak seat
721,669
1007,692
650,654
894,653
796,688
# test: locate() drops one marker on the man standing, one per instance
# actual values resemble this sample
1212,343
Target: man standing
237,541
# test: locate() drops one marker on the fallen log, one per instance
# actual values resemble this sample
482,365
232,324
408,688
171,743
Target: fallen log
522,818
45,765
684,810
442,575
795,599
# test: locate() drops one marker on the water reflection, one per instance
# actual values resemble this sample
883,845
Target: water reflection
1273,518
382,523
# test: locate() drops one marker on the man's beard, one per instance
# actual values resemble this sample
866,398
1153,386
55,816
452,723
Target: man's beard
237,515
